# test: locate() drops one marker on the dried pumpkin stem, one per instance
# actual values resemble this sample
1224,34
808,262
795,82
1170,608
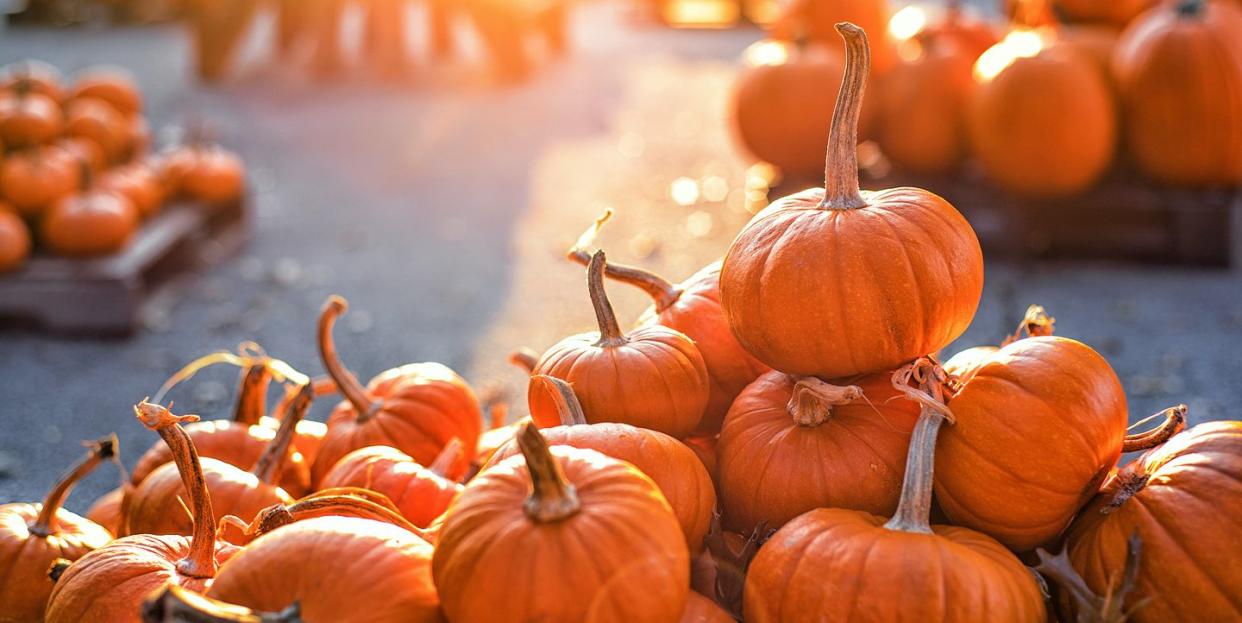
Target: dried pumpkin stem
841,166
562,396
58,568
610,334
252,399
663,292
524,358
174,604
1174,423
98,451
813,399
201,561
914,507
1092,608
272,462
345,380
345,502
552,497
447,458
1035,323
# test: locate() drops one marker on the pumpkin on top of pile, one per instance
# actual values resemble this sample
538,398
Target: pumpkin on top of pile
75,176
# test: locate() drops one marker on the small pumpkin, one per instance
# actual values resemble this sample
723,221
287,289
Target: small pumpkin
204,171
90,222
173,604
113,85
833,564
72,150
816,21
96,120
653,377
33,536
417,408
40,77
421,493
555,500
863,281
28,118
922,111
14,239
137,183
31,180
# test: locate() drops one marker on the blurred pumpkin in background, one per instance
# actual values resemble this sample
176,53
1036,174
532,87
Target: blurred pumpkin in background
97,120
814,21
28,117
138,183
1095,42
42,78
1115,12
113,85
203,171
74,149
14,239
90,222
33,179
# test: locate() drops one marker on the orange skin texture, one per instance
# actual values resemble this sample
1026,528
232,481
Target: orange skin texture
88,224
837,293
205,173
114,86
155,505
704,447
773,469
1039,426
922,118
621,557
109,584
698,315
669,463
25,557
29,119
656,380
1187,516
237,444
337,569
965,364
106,510
31,181
419,493
95,119
700,609
138,183
839,565
1114,12
1045,126
14,240
423,406
1180,80
816,20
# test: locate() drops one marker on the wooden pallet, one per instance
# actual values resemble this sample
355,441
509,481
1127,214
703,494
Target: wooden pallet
106,295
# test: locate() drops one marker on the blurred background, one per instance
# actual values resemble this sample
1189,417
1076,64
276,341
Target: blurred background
432,160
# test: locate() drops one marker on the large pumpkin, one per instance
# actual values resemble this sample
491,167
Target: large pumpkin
832,564
791,445
591,536
1179,72
836,282
816,20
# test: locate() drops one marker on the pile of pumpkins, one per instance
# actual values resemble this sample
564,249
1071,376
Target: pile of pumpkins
74,167
773,440
1044,109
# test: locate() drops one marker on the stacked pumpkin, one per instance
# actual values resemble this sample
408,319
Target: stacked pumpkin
74,166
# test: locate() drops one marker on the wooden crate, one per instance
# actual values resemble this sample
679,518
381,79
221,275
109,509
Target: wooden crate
106,295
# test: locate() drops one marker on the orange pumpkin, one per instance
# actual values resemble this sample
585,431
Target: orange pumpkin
790,445
1036,322
73,150
421,493
693,308
700,609
95,119
832,564
834,282
42,78
113,85
671,465
32,180
653,377
816,21
417,408
922,111
14,240
958,29
705,447
204,171
106,510
1114,12
559,499
137,138
110,583
137,183
89,223
1094,42
33,536
1179,71
498,430
28,118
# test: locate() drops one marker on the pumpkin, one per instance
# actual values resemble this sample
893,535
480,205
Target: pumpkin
1184,502
137,138
833,564
1094,42
137,183
110,583
95,119
14,240
42,78
816,21
790,445
720,572
173,604
33,536
700,609
89,223
705,447
669,463
653,377
1114,12
113,85
498,431
956,28
922,111
417,408
1035,322
28,118
693,308
106,510
32,180
72,150
421,493
1041,119
836,282
204,171
559,499
1179,71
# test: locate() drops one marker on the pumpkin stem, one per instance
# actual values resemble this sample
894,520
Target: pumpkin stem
201,561
1092,608
562,396
173,604
345,380
731,564
252,398
1174,422
914,507
46,523
57,569
524,358
552,497
272,462
610,334
664,293
447,458
813,399
337,502
1035,323
841,190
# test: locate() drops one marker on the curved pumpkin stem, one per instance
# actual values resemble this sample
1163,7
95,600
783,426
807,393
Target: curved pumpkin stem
272,462
524,358
562,396
173,604
252,399
841,190
447,458
341,502
1035,323
248,354
663,292
346,382
610,334
914,507
1174,423
552,497
46,523
201,561
1092,608
813,399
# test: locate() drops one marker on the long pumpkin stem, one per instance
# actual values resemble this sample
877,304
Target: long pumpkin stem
524,358
272,462
46,523
1092,608
914,507
252,399
663,292
552,497
447,458
201,561
173,604
345,380
1174,423
610,334
336,502
562,396
813,399
841,190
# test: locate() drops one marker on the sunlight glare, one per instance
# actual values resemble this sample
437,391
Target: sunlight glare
765,53
1017,44
685,191
907,22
